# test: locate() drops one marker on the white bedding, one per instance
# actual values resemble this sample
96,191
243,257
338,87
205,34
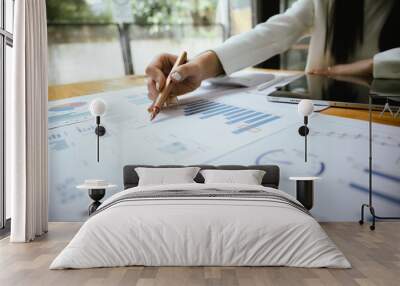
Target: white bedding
200,231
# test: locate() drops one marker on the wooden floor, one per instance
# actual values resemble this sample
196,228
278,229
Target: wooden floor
375,257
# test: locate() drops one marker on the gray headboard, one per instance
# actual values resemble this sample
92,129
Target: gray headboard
271,177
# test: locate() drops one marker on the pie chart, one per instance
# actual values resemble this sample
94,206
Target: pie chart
291,159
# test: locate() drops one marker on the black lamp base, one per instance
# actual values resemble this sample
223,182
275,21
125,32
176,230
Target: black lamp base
305,193
100,130
96,195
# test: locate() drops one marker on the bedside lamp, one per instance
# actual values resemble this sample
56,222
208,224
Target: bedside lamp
98,108
305,108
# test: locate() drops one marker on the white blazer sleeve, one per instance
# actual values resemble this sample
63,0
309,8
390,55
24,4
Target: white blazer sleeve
387,64
274,36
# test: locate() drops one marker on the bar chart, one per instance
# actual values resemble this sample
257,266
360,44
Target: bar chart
57,141
62,119
249,119
69,106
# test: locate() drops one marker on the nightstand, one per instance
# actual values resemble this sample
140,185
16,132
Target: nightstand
96,190
305,190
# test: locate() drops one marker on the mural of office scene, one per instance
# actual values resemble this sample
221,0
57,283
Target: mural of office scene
204,133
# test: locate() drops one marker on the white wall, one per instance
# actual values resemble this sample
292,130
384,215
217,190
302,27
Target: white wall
76,62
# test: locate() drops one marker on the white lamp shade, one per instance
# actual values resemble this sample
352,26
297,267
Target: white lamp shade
305,107
97,107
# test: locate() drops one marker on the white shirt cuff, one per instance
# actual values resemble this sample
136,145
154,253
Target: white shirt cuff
387,64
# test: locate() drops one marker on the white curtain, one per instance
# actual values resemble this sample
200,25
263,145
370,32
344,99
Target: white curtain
26,123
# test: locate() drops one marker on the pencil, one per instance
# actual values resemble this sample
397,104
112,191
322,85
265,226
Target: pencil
163,96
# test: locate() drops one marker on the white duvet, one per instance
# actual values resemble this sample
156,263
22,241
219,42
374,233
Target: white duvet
193,231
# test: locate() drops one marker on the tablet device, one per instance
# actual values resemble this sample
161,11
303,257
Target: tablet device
346,92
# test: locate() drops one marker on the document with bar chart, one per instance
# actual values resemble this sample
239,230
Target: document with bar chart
216,126
216,123
204,126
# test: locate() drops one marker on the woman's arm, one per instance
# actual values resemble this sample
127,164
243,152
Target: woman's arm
383,65
264,41
276,35
359,68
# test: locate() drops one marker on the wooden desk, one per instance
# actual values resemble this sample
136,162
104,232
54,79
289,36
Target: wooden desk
85,88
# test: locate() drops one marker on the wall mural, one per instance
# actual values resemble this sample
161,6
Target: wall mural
220,126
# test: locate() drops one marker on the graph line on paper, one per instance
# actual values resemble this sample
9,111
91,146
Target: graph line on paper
377,193
280,157
384,175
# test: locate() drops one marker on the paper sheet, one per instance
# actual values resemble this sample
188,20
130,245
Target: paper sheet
219,126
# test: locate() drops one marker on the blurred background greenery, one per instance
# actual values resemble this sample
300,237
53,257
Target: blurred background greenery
145,12
88,40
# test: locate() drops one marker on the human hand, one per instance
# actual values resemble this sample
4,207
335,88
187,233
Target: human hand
359,68
185,78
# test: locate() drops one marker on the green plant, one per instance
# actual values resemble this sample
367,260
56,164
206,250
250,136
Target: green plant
152,12
155,13
167,12
74,11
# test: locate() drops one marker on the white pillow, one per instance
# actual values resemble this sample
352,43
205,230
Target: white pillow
248,177
165,176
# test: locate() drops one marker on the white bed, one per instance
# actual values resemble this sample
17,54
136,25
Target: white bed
186,230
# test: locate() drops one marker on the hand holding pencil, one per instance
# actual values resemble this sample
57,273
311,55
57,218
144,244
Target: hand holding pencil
183,76
167,90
